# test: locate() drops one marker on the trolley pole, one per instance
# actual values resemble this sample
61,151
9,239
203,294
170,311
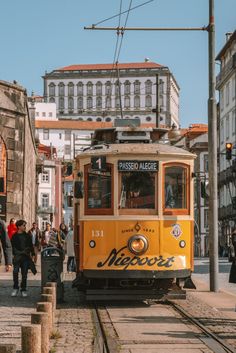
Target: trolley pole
212,155
157,102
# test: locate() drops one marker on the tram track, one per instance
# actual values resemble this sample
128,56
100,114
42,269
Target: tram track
212,338
109,334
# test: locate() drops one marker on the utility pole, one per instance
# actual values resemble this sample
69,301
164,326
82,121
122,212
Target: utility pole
212,154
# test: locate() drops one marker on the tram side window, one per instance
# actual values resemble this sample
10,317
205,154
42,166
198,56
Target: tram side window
99,189
175,187
137,190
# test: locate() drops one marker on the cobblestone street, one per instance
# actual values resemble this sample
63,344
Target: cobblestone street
73,327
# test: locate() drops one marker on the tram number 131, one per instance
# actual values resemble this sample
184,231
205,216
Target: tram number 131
98,163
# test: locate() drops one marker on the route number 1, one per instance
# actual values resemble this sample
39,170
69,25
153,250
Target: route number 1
98,163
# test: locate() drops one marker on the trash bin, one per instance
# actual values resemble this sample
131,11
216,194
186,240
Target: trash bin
52,269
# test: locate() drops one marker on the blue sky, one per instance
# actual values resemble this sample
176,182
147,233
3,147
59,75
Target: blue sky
39,36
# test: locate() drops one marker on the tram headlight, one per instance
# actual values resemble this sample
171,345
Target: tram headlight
138,244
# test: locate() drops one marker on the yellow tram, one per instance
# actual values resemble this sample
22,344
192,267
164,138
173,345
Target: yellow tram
133,215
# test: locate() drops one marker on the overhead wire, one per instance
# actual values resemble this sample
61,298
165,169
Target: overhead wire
133,8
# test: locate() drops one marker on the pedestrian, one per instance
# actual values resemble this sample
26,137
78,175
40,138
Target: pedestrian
11,228
23,252
232,249
50,237
69,248
35,234
63,231
6,246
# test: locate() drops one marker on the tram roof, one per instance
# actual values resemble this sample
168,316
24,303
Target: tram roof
137,149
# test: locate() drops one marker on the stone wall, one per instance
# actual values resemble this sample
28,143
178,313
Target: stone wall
16,132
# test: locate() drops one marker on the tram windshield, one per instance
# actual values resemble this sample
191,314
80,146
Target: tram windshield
137,190
175,187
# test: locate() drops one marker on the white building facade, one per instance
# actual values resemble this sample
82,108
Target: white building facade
94,92
226,85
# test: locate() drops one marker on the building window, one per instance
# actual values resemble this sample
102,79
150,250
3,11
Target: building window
71,103
136,87
148,102
60,135
99,88
37,114
45,176
99,119
44,114
80,89
61,103
234,121
148,118
127,87
108,102
206,218
99,102
71,89
45,200
89,119
89,103
205,162
50,114
108,120
52,89
127,102
227,127
222,132
61,89
80,103
67,149
136,101
222,99
45,134
227,93
117,89
89,88
67,135
233,86
117,102
51,100
108,88
148,87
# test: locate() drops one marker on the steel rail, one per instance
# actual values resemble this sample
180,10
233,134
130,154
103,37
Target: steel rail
100,342
196,322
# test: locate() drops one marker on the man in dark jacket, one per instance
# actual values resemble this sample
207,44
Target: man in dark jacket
6,245
23,251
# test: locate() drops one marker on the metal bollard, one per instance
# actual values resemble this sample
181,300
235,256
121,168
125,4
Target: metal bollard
46,308
49,298
52,291
41,318
7,348
31,338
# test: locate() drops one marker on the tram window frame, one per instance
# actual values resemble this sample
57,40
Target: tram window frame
98,211
176,211
138,211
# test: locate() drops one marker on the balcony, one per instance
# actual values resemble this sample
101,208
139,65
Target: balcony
45,210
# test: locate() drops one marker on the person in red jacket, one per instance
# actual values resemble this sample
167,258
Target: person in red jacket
11,228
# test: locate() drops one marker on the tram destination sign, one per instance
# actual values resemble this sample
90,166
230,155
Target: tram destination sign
138,166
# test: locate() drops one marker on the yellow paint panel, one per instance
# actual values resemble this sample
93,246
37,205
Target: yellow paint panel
111,252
